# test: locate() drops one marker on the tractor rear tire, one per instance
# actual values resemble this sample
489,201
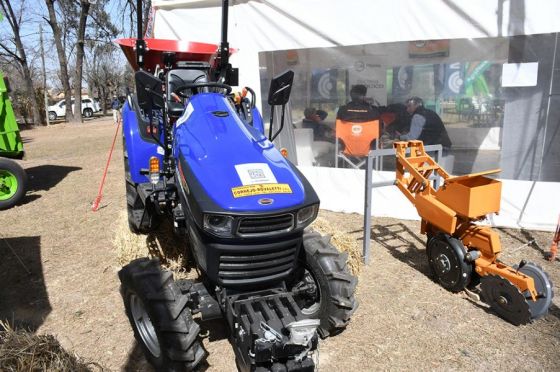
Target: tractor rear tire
335,285
159,315
13,183
142,219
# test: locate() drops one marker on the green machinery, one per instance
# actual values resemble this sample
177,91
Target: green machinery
13,179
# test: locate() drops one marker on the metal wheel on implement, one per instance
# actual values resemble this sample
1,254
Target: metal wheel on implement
446,257
159,316
324,288
512,305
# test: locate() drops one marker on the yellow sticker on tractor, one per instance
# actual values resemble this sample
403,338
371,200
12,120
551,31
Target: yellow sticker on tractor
261,189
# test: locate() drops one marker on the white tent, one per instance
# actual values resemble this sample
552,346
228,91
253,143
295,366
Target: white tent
260,25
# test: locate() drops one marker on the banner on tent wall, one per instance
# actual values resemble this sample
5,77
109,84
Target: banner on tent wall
454,80
402,83
323,85
428,48
373,76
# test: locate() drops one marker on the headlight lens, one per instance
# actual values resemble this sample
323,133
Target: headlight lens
306,215
218,224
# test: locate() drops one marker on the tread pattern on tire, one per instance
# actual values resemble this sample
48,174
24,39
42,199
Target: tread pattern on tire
168,311
337,311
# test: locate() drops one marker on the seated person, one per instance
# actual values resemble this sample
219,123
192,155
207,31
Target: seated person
401,122
314,120
425,125
358,110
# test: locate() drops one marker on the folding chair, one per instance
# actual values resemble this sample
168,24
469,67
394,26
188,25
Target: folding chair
357,139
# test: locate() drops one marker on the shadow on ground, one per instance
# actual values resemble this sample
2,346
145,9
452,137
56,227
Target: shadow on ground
137,361
525,238
24,301
402,242
45,177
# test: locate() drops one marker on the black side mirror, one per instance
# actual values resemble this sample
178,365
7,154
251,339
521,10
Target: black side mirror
279,95
280,89
149,91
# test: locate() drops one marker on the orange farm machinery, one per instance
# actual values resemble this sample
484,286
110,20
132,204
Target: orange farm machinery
462,253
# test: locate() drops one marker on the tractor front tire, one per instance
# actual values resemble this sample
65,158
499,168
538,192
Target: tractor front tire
335,286
13,183
159,315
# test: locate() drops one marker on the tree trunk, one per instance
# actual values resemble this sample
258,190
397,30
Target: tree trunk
104,94
61,59
80,62
22,59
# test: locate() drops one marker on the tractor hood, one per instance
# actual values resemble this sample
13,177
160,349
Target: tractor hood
228,166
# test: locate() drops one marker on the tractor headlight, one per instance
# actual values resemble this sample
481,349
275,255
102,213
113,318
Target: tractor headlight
218,224
306,215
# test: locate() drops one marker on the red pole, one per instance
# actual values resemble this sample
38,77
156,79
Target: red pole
95,204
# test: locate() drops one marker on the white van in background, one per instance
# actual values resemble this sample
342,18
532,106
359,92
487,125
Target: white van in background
89,107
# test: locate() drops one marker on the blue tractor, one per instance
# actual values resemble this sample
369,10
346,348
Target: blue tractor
197,154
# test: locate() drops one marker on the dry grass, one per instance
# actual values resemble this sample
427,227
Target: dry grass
162,244
405,320
342,241
24,351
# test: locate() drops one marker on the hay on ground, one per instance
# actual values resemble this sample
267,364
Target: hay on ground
21,350
343,242
162,244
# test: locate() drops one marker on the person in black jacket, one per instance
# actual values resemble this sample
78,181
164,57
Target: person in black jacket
358,110
314,119
425,125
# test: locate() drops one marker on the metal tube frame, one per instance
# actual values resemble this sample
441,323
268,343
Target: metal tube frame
376,157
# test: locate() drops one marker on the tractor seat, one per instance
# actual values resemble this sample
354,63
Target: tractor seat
178,77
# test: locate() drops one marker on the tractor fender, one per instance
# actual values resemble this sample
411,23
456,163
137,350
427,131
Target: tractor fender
138,144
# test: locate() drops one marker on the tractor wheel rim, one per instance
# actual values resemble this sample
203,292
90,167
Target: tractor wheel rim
8,184
315,296
144,325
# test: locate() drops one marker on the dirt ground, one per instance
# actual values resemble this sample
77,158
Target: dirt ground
405,321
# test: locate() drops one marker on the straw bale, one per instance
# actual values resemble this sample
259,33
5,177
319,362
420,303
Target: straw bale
163,244
21,350
342,241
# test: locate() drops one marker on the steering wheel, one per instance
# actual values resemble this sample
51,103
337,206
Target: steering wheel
192,86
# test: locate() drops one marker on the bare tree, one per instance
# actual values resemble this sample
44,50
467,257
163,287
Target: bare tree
15,21
102,74
100,70
84,10
58,40
128,9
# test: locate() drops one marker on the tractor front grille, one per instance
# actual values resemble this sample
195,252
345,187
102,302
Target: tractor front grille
252,267
260,226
